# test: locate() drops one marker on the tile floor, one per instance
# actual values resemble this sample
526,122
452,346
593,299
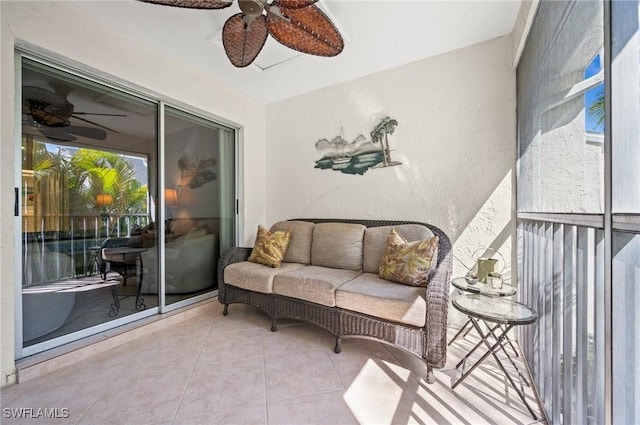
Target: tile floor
212,370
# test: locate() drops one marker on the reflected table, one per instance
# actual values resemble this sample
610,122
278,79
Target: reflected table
81,284
125,259
505,314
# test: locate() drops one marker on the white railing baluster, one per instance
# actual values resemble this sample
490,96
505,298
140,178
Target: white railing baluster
570,242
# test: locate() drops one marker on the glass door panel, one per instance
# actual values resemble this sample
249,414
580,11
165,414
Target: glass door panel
87,203
199,202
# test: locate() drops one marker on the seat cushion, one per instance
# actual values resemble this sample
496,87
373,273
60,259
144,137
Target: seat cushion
375,240
377,297
337,245
254,276
313,283
299,250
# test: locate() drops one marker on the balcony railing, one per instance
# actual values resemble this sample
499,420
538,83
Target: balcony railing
50,255
561,268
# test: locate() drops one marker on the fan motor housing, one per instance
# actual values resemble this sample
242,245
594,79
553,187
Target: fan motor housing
251,7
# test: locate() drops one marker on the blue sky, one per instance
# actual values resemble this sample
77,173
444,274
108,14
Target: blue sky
589,97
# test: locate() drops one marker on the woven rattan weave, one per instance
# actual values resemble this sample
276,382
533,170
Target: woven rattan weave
428,342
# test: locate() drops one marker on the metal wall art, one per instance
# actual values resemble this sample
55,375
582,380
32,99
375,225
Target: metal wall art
195,172
358,156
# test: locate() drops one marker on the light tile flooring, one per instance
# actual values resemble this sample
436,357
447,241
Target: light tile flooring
212,369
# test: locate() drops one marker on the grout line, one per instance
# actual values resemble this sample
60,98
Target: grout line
188,380
48,361
264,379
479,393
115,377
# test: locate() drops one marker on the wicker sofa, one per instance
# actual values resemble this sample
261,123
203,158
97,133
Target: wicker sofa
329,277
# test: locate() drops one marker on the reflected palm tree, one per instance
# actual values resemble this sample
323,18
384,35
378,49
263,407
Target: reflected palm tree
97,172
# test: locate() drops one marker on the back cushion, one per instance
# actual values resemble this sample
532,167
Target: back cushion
375,239
299,250
337,245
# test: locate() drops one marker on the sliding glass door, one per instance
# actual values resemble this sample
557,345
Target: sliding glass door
199,202
86,185
91,196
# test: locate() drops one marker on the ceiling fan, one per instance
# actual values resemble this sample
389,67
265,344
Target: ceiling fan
51,112
298,24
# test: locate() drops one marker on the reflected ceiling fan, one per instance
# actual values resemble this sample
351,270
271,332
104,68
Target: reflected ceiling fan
52,112
298,24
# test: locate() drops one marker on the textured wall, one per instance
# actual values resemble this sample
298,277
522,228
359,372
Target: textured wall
551,108
66,30
455,139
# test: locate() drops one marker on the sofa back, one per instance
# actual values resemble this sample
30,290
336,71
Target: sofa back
344,245
338,245
299,249
375,240
335,245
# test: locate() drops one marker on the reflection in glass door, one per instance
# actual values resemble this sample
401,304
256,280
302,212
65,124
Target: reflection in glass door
199,202
87,181
90,207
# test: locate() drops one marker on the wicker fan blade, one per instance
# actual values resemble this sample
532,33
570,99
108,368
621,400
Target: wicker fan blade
57,134
294,4
47,118
192,4
90,132
94,123
242,42
308,30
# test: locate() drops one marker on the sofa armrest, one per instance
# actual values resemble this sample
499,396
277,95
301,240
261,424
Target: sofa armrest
232,255
437,298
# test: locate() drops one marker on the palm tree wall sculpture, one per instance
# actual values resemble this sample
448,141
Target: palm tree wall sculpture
360,155
381,132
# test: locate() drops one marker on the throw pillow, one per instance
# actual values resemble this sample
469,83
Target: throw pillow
270,248
407,262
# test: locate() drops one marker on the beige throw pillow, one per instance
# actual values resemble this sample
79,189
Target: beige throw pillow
405,262
270,248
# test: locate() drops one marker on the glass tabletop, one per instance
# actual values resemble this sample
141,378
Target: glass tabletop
482,288
494,309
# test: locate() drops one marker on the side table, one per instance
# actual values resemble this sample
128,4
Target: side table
461,285
500,311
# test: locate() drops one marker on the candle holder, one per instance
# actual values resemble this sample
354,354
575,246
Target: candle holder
494,280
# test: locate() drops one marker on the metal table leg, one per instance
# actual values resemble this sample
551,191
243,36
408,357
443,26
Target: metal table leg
139,300
475,347
492,351
467,323
515,352
115,307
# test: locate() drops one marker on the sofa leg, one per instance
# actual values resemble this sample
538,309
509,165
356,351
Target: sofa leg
338,347
430,378
225,311
274,326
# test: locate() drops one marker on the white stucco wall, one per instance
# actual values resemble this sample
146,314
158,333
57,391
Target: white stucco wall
455,138
68,31
560,169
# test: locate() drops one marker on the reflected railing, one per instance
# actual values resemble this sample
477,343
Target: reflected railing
49,255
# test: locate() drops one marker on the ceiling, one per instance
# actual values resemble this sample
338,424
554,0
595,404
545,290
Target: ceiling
378,35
